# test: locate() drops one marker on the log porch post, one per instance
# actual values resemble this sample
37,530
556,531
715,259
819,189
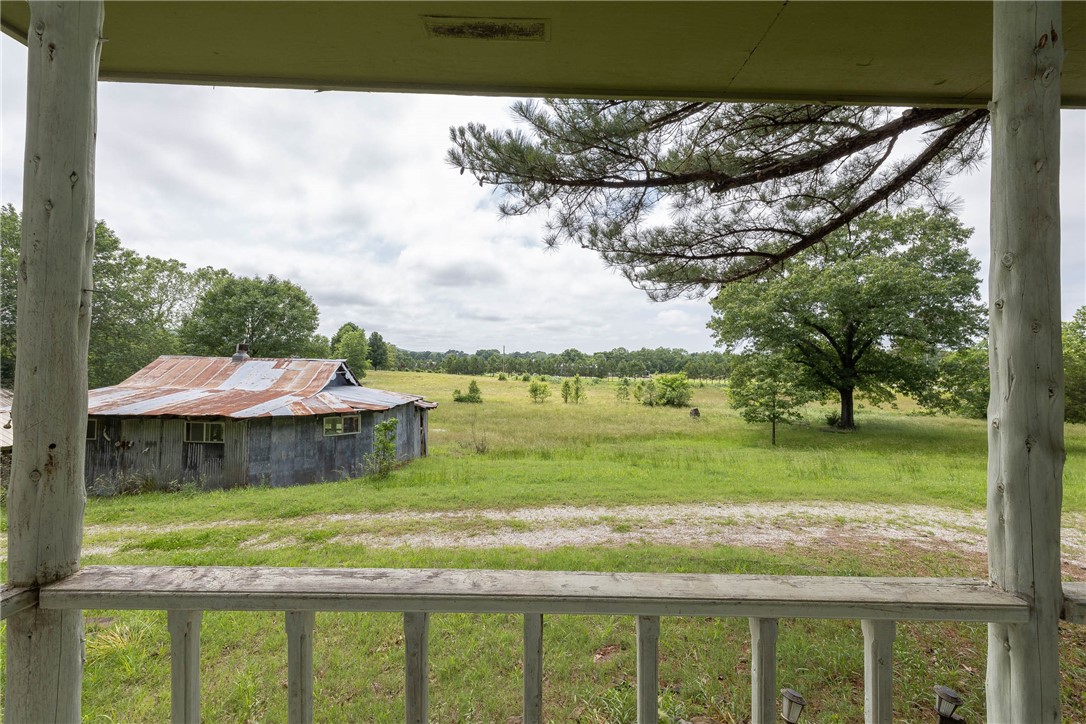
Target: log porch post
1025,413
46,496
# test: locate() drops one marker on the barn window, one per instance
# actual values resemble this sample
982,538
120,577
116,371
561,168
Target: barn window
92,429
204,432
341,425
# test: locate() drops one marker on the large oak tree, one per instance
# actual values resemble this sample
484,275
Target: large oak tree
867,310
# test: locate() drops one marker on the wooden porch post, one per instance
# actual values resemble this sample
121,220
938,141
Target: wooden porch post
46,496
1025,413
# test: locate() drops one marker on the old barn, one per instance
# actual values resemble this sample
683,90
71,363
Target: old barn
221,422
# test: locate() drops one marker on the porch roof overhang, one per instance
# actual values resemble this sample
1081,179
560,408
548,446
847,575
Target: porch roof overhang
915,53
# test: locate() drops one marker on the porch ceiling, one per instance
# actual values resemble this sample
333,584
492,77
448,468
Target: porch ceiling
885,52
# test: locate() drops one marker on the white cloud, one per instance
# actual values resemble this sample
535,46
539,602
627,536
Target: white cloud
348,195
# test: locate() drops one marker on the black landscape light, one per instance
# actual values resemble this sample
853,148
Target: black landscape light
792,703
946,702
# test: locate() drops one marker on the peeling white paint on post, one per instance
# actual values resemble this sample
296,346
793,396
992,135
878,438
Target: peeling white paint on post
184,666
878,671
46,494
416,635
1025,413
648,672
533,668
763,670
300,666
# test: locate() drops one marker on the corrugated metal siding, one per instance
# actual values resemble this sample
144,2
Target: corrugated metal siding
235,464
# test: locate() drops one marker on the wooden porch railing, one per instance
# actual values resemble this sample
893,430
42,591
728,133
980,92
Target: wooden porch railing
184,593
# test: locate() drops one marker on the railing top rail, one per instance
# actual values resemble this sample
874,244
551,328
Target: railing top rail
1074,602
14,599
486,591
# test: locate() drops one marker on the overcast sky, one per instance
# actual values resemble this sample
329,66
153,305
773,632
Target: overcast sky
347,194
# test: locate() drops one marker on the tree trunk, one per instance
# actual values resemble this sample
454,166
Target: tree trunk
848,409
1025,414
46,497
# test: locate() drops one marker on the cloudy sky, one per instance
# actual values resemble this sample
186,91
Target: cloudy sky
347,195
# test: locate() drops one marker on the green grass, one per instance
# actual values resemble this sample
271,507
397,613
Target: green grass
605,452
601,452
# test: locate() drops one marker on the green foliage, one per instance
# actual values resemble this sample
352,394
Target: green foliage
352,346
378,351
747,185
767,388
502,377
573,390
379,463
866,311
963,384
622,392
10,239
670,390
275,316
138,303
526,378
1074,367
473,394
344,329
539,391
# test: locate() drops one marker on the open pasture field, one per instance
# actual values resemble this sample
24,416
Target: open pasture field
603,485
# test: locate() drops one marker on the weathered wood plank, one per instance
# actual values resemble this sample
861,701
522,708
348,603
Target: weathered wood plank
14,599
763,670
416,636
1026,410
648,669
46,494
1074,603
484,591
533,668
300,666
878,671
184,626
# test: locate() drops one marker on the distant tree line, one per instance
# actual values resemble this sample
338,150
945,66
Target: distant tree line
618,362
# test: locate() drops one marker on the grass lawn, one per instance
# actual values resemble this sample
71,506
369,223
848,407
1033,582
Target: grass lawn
509,453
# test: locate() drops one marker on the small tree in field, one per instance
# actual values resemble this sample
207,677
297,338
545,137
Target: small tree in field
622,394
473,393
573,390
539,391
767,388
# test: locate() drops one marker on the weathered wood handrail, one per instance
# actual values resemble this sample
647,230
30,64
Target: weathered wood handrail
14,599
214,588
184,592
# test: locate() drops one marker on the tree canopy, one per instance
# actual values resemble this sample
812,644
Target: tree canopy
747,185
275,316
866,310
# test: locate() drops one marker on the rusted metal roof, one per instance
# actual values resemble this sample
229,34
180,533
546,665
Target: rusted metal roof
221,387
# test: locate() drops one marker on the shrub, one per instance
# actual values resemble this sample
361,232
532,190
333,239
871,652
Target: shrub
622,394
380,462
502,377
526,378
672,390
539,391
473,393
